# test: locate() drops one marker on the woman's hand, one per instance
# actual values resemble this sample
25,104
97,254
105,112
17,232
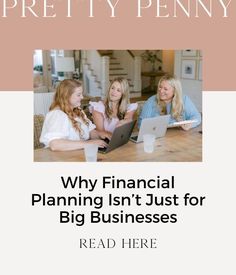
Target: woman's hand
104,134
186,127
95,134
99,142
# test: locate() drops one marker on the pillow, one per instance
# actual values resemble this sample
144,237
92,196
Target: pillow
38,125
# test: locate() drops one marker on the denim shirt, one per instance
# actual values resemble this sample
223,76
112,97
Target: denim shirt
190,112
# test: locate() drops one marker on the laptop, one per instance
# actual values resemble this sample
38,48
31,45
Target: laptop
155,125
119,137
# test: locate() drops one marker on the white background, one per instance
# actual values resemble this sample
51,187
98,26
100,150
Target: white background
33,242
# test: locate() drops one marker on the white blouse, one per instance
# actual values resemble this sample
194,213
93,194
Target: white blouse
57,125
109,125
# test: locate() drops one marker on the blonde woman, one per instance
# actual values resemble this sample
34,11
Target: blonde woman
169,100
66,126
115,110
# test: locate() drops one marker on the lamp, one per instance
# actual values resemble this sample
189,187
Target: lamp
64,65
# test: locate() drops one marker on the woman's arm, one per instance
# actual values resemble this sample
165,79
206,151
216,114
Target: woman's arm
98,120
191,113
94,134
128,117
100,132
69,145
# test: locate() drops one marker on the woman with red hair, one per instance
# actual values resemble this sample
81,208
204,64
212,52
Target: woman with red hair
66,126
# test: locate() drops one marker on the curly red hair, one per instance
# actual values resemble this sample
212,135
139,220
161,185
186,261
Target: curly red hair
62,101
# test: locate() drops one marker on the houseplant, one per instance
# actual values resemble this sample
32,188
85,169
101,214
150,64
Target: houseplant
152,57
38,68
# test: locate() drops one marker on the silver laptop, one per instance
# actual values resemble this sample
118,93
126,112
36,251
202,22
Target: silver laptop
119,137
155,125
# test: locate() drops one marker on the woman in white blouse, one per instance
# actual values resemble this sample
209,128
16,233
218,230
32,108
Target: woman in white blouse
115,110
66,126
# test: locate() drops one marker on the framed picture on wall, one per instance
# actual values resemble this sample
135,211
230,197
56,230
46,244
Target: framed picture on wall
200,70
189,53
188,70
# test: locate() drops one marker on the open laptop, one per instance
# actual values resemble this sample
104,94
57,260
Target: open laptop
155,125
119,137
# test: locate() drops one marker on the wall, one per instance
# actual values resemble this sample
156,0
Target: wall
191,87
168,59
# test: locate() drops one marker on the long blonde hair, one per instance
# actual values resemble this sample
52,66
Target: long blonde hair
177,105
62,101
124,101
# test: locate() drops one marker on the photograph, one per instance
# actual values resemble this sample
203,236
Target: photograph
188,69
116,106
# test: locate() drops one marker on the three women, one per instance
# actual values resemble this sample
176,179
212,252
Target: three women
66,126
